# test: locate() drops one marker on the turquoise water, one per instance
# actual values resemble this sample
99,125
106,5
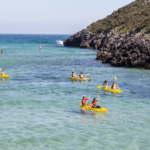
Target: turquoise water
39,103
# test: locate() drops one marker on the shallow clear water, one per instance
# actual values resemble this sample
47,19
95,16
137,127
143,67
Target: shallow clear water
39,103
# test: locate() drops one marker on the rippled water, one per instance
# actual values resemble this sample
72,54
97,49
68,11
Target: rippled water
39,103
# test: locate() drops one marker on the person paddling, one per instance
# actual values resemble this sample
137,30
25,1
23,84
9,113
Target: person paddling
84,100
94,103
2,73
74,75
81,75
114,86
105,84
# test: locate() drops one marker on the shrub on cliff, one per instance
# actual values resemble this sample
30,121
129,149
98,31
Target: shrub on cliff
134,17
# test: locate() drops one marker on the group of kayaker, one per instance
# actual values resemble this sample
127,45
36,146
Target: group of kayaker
93,104
81,75
114,86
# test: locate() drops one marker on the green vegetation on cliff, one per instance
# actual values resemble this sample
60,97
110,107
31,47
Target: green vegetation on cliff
134,17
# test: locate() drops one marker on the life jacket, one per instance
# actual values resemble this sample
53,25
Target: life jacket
94,102
84,101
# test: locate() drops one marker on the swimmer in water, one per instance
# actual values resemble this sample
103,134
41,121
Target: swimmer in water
2,51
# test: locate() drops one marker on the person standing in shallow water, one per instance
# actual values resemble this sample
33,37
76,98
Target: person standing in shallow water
40,48
2,51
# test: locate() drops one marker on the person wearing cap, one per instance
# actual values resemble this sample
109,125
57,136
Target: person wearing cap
81,75
74,75
84,101
105,84
2,73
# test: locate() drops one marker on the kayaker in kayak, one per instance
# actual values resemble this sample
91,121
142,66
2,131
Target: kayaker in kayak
114,86
105,84
81,75
94,103
74,75
84,100
2,73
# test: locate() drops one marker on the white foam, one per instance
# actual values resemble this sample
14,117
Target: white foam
59,42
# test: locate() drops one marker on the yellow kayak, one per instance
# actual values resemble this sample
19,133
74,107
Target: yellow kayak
111,90
84,79
4,76
90,108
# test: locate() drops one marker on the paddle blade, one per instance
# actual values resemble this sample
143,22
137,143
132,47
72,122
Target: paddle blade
0,69
98,87
73,70
115,78
88,74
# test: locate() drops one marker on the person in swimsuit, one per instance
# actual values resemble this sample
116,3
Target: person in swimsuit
2,73
114,86
81,75
105,84
74,75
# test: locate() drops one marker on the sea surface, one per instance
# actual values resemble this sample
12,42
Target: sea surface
39,103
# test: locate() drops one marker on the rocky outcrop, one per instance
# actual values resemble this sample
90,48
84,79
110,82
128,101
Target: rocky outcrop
129,50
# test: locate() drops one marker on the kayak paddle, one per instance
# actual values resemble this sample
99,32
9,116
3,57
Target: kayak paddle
98,87
73,70
116,81
0,69
88,74
99,96
89,95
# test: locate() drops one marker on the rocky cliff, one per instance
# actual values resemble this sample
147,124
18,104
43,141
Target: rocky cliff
124,42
